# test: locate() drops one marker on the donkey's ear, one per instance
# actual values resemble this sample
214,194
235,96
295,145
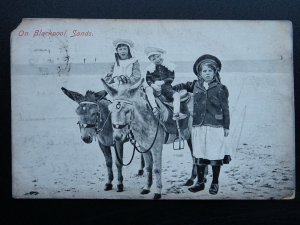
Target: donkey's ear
77,97
100,94
110,90
136,86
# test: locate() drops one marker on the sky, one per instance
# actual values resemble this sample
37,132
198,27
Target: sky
184,40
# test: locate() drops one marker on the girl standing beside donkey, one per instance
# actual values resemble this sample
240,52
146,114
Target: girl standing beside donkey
210,120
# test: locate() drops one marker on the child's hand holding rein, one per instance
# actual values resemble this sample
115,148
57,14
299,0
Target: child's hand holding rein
226,132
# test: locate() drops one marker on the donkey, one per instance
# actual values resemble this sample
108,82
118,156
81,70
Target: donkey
95,121
132,116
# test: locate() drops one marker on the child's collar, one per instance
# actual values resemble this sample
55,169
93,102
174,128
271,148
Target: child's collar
131,60
170,66
211,84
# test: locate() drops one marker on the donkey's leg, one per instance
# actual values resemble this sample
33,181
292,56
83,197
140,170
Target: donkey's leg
157,158
190,181
108,160
149,166
142,166
119,149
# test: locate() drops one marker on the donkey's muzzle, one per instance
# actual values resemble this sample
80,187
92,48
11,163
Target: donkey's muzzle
119,135
118,138
87,139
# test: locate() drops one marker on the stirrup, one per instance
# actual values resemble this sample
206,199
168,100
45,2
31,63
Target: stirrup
179,139
179,116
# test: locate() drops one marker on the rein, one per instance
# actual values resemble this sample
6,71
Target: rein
120,160
131,136
133,141
101,129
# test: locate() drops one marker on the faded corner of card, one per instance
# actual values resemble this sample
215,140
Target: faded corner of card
19,26
291,197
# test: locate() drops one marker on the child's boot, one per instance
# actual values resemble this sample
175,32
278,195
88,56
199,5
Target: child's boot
214,188
197,187
200,185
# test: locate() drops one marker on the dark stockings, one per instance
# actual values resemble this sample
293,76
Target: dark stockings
200,173
216,173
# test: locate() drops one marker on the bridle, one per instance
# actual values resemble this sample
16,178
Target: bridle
119,106
130,135
98,130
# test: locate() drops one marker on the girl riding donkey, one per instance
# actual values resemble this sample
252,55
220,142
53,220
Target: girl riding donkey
210,120
125,69
160,75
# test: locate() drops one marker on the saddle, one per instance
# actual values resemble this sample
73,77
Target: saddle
167,107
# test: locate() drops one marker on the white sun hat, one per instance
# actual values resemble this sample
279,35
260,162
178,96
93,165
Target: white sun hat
154,51
123,41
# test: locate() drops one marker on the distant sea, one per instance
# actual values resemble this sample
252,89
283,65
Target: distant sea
259,66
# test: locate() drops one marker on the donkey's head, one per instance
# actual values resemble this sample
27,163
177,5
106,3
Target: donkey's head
122,108
88,113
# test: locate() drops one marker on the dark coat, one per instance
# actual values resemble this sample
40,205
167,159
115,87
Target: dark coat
162,73
211,105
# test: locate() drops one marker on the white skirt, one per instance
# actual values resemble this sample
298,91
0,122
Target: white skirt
209,143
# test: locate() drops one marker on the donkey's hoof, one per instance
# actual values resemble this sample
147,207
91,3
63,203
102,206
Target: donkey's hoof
120,188
140,173
157,196
189,182
108,187
144,192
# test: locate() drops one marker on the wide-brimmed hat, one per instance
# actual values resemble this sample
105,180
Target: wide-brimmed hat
154,51
123,41
207,59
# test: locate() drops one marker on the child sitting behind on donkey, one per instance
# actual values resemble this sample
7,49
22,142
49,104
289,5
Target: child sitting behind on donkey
160,75
210,119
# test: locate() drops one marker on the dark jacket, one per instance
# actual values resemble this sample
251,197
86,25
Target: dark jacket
162,73
211,105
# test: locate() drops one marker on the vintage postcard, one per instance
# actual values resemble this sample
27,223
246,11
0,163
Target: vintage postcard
152,109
